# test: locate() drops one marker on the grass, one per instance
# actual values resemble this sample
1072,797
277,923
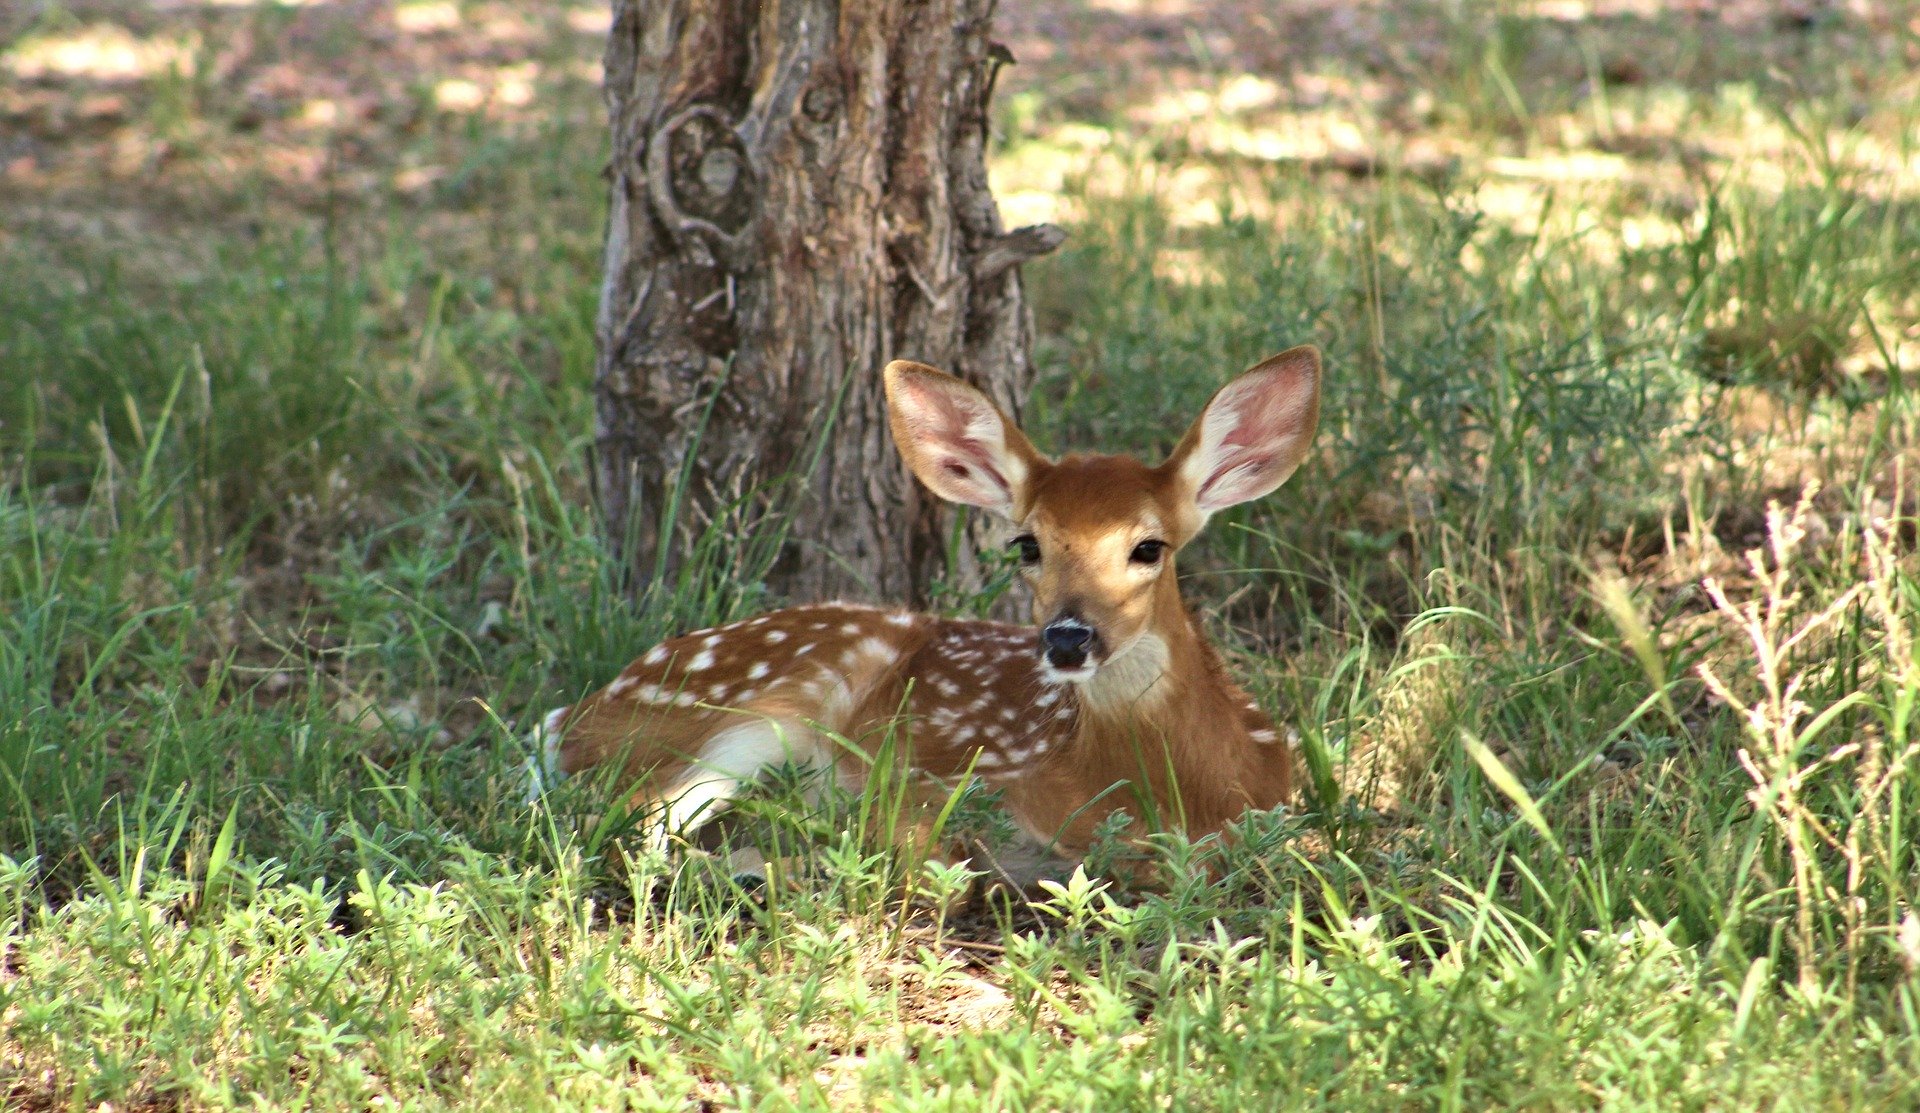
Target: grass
1601,810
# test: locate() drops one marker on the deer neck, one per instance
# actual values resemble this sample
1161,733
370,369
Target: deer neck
1164,716
1161,679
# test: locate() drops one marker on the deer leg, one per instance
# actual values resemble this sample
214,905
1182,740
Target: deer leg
729,762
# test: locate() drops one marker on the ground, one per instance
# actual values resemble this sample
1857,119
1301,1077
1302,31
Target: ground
1594,610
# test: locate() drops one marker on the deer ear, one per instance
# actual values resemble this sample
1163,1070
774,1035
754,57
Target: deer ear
1253,434
956,440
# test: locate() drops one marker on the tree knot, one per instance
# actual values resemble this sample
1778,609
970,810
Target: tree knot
703,182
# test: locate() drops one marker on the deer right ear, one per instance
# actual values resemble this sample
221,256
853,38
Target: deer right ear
956,440
1253,434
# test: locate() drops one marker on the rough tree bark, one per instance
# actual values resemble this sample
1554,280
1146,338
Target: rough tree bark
799,194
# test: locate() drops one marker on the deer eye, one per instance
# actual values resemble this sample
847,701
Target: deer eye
1147,552
1028,547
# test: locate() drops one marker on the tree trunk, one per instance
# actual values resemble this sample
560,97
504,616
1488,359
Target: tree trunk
799,195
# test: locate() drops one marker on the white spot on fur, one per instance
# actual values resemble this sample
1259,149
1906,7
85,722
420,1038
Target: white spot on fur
775,637
760,669
655,655
901,618
621,686
1265,736
702,661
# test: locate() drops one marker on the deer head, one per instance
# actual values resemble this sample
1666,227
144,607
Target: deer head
1097,537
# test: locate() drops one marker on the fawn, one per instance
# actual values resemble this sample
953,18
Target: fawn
1115,701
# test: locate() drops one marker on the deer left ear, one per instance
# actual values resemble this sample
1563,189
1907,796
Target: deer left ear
1253,434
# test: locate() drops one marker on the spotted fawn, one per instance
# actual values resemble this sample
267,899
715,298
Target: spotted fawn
1113,699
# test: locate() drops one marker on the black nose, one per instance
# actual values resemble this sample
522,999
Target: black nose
1067,643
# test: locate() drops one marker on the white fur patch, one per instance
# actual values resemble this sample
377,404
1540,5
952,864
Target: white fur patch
733,759
1052,674
1124,681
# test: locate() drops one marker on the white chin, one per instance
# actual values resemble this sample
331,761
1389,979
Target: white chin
1054,674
